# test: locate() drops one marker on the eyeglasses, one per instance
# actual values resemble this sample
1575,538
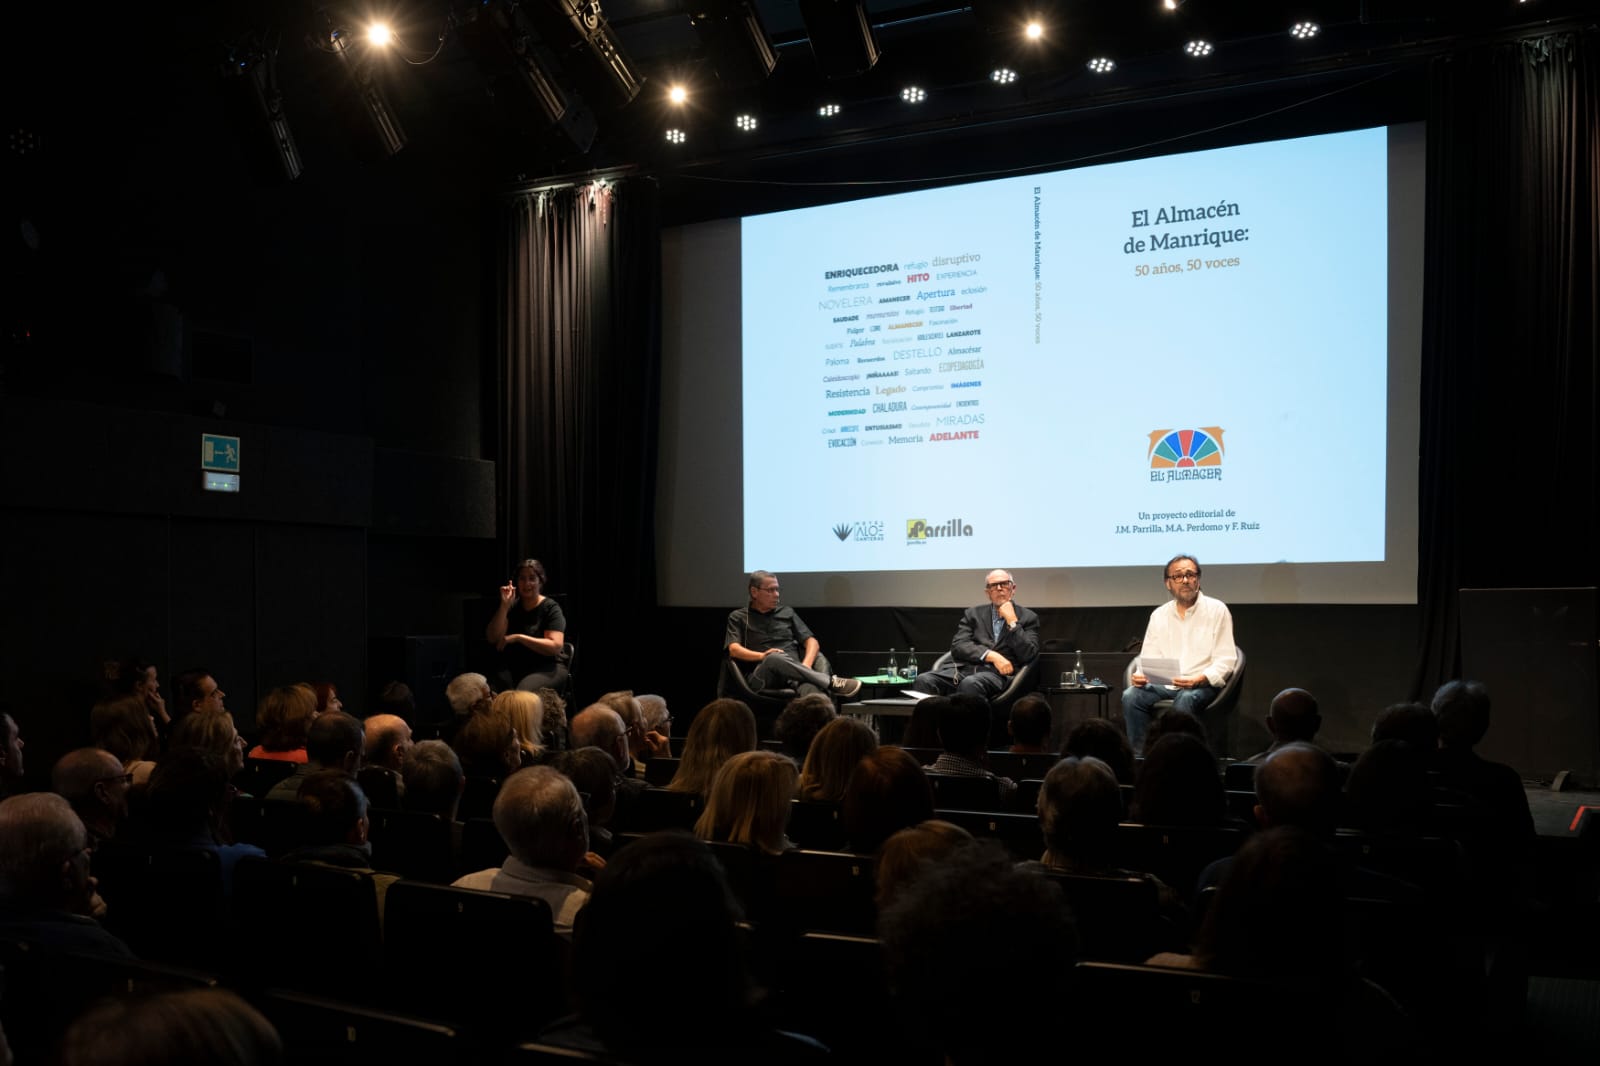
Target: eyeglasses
774,588
126,779
1184,575
992,585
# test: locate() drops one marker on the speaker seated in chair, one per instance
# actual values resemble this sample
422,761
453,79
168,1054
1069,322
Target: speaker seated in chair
994,652
1212,713
767,649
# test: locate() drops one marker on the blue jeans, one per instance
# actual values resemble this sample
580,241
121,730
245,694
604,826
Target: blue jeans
1139,701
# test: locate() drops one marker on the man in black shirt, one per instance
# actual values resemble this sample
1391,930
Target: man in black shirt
773,648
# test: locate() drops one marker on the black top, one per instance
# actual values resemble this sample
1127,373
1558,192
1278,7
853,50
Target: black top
779,628
520,659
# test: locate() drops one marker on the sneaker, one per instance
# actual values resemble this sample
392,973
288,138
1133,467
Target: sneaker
844,686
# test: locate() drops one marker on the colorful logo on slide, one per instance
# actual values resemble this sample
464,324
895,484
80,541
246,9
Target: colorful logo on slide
1185,448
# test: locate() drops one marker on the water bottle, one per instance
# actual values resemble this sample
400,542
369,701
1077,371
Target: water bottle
1079,677
893,669
911,664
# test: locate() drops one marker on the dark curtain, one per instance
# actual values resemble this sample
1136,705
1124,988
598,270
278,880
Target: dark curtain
580,346
1508,494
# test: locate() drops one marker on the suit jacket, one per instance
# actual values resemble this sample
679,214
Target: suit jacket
975,638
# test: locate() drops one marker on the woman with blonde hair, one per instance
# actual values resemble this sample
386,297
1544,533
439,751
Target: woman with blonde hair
285,715
749,802
833,755
723,728
526,712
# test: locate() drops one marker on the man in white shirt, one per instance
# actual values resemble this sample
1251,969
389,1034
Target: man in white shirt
1193,629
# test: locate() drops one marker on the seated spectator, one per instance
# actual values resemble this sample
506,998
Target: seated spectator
526,715
656,718
1413,723
1179,783
210,1025
1291,718
554,726
398,700
672,874
908,852
334,826
388,739
721,730
887,792
213,733
641,745
135,677
1461,709
187,805
749,802
488,746
539,815
284,718
46,894
334,742
327,696
978,952
964,734
833,757
93,781
922,731
197,693
593,774
599,726
123,727
1080,806
465,693
800,723
1099,738
10,756
1029,724
1175,721
433,779
1387,792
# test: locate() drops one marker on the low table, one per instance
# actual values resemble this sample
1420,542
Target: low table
887,708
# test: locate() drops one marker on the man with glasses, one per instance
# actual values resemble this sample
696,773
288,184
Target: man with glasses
1197,632
774,649
94,782
993,642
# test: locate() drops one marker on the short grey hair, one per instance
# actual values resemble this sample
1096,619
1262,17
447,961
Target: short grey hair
654,709
540,816
464,690
38,832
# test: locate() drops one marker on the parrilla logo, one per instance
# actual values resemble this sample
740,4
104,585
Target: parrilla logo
920,530
861,531
1186,454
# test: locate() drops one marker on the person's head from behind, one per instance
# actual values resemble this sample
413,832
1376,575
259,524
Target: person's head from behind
910,851
1080,806
593,774
800,723
721,730
388,739
398,700
209,1025
433,779
553,726
974,939
284,717
833,757
749,801
964,726
1412,723
94,782
1179,784
335,741
44,855
1293,716
539,815
488,745
1278,912
887,791
600,726
465,692
213,733
1299,785
1172,721
661,874
333,809
123,726
656,717
1101,739
1462,710
525,713
1029,724
188,792
1388,790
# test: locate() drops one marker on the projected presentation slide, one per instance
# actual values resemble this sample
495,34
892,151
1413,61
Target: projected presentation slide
1095,367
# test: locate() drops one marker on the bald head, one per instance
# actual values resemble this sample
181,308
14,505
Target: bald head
1298,785
1293,716
388,740
598,726
76,773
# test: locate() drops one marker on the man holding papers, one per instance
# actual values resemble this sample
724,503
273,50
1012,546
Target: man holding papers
1188,651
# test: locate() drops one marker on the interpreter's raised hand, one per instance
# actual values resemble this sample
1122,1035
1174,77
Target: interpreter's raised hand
508,592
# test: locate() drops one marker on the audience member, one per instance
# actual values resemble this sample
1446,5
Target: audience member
910,851
978,953
46,894
1387,791
209,1025
1174,721
721,730
1080,805
1101,739
334,742
10,756
398,700
594,775
488,746
93,781
540,816
1462,711
188,805
433,779
284,718
334,828
1413,723
526,715
1179,783
123,727
833,757
800,723
465,694
641,747
1029,724
964,734
197,693
213,733
749,802
554,726
887,792
657,718
1292,717
388,740
327,696
135,677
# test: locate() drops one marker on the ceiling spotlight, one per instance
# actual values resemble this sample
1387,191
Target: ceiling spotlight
1003,76
1171,5
828,110
1198,48
1302,31
1034,30
677,94
745,122
379,34
912,94
675,136
1102,65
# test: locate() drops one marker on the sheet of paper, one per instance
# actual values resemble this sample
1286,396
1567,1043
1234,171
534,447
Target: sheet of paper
1158,671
